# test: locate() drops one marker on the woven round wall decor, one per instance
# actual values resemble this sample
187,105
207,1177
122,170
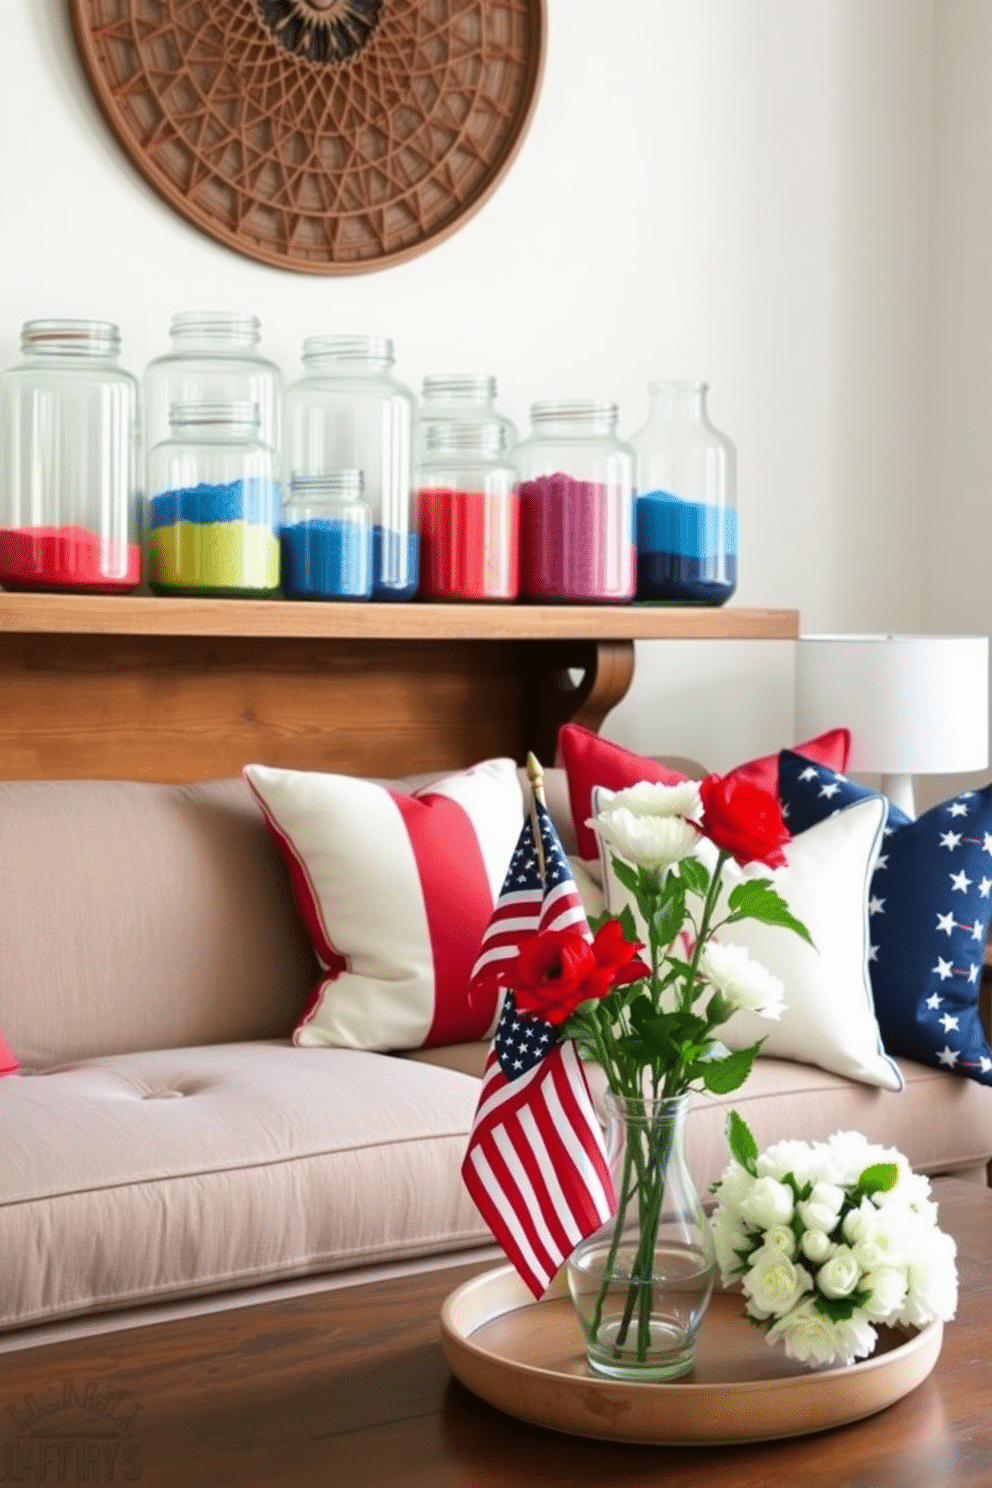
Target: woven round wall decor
326,136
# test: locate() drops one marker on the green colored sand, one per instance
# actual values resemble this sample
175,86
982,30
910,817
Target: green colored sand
222,556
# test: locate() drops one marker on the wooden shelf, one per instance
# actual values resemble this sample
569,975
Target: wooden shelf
137,615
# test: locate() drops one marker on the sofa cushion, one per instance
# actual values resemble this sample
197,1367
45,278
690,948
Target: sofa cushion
396,890
171,1174
929,910
141,916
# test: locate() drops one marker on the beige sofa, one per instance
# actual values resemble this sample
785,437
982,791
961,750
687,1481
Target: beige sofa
164,1145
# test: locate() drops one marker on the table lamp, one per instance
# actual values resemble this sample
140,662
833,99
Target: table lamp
915,704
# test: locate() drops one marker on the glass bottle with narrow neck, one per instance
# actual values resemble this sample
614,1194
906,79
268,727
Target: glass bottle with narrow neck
686,508
213,357
576,505
68,461
349,412
214,504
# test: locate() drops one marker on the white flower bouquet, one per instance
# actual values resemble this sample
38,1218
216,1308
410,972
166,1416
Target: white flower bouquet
828,1240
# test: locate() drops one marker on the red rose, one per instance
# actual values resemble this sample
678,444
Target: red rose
743,820
616,960
548,972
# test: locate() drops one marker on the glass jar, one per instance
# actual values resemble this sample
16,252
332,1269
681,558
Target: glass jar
468,514
348,412
462,398
214,358
214,504
327,537
686,506
576,505
69,514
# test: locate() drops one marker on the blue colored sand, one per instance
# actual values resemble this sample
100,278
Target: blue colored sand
252,500
686,550
326,559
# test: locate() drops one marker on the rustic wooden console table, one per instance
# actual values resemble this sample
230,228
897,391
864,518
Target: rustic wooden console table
143,687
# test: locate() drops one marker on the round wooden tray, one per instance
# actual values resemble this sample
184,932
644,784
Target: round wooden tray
528,1359
329,136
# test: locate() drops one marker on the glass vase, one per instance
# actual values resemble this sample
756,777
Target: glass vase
641,1284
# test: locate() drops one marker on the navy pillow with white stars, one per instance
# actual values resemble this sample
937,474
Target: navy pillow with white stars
929,906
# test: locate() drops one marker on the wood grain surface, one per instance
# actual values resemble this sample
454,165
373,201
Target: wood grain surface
350,1388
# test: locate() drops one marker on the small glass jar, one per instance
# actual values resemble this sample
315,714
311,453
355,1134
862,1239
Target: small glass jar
327,537
468,514
214,358
214,504
576,505
461,398
686,506
69,517
348,412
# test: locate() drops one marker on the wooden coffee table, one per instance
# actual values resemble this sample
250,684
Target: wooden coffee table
349,1388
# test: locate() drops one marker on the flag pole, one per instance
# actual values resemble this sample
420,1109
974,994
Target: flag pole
535,775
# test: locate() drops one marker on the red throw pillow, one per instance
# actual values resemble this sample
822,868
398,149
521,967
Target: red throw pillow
8,1064
590,760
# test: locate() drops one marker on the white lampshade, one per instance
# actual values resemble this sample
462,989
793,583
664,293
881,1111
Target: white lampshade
915,704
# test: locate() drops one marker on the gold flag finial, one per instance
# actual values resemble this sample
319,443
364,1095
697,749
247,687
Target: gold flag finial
535,774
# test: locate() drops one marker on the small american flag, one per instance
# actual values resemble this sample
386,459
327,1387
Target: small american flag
536,1165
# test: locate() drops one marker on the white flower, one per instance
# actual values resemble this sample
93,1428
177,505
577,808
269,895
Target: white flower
932,1282
818,1216
816,1246
780,1237
839,1276
878,1236
646,841
888,1293
743,983
814,1339
773,1284
768,1203
650,799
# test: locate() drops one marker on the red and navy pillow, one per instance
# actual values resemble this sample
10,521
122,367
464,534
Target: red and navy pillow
929,906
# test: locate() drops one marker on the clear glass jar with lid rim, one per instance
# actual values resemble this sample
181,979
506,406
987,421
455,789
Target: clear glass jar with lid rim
460,397
69,443
349,412
468,514
213,357
327,537
576,504
214,503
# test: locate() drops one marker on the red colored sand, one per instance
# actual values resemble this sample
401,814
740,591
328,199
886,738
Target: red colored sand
66,558
469,544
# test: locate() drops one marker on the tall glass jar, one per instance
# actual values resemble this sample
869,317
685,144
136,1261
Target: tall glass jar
461,398
327,537
68,461
576,505
214,504
213,358
468,513
348,412
686,508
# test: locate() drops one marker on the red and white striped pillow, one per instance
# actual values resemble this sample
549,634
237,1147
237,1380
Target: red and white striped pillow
396,891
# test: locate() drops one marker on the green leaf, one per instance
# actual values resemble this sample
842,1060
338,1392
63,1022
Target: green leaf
695,875
755,899
723,1075
879,1178
628,924
669,917
626,874
839,1309
740,1140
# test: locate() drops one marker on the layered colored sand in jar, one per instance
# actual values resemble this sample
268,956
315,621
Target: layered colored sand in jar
470,544
576,540
215,539
395,563
67,558
686,550
327,558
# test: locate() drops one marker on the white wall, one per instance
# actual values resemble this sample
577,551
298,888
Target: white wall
731,189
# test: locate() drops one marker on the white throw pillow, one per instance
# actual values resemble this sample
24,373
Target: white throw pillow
829,1018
